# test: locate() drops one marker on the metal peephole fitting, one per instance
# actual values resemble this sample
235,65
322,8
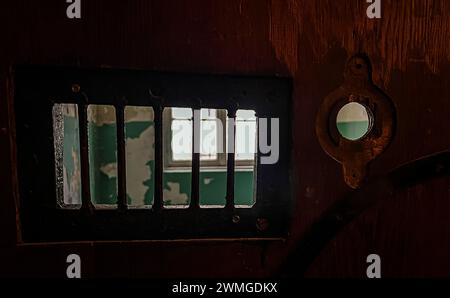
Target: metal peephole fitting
356,122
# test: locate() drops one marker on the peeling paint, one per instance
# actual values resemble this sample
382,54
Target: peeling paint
208,180
139,130
109,170
140,152
173,194
101,114
67,161
138,114
106,114
72,181
69,110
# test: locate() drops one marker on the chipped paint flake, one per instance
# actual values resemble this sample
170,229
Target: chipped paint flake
138,114
101,114
72,182
139,152
109,170
173,194
208,180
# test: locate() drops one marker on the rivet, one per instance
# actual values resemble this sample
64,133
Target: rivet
76,88
236,219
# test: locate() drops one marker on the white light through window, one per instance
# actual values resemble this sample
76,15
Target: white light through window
209,134
181,128
245,135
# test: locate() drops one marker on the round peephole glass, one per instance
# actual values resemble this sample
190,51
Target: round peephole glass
353,121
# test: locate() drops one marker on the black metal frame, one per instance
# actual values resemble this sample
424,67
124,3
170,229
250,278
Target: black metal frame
37,89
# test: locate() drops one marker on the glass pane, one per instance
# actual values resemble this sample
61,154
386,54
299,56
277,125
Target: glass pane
213,172
140,155
208,114
245,156
244,188
181,142
246,115
210,134
208,140
67,155
181,113
177,143
103,155
352,121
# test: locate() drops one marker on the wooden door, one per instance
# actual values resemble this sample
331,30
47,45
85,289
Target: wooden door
309,41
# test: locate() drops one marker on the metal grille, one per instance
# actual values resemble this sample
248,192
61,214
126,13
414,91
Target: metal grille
38,89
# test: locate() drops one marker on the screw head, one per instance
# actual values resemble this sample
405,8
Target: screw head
236,219
76,88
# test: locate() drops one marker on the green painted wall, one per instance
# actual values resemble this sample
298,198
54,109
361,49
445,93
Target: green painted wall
103,161
353,130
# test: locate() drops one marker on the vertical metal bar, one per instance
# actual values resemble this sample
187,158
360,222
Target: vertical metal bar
158,196
86,203
256,161
231,158
121,157
195,186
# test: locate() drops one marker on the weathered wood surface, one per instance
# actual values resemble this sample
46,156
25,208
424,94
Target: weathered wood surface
308,40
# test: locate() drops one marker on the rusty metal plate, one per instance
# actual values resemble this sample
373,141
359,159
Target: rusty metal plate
356,155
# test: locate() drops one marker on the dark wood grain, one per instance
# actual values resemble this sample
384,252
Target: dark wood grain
308,40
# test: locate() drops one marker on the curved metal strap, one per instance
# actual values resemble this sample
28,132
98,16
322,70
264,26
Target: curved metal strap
347,209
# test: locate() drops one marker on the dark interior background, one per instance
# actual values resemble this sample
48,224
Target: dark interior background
309,41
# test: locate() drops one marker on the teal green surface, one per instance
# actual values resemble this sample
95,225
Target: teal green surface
103,151
71,144
353,130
